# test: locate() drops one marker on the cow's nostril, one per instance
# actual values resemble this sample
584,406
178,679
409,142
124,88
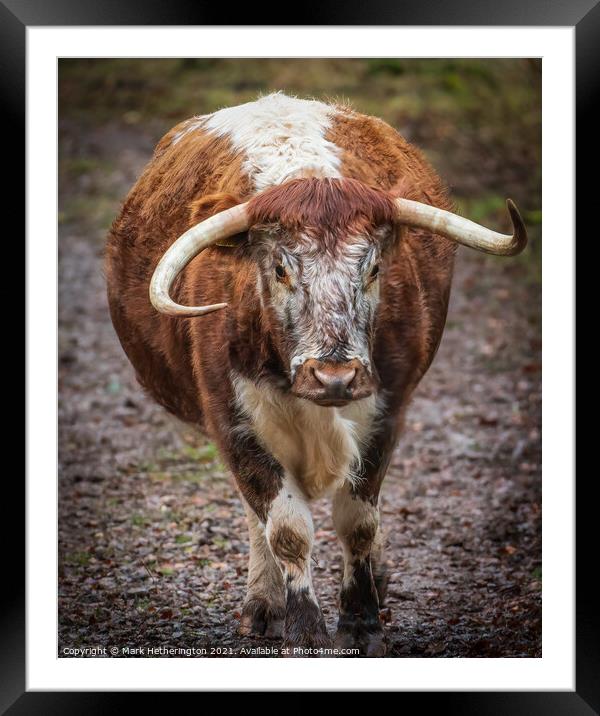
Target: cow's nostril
334,378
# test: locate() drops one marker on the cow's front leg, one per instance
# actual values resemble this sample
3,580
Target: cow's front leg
264,606
279,519
290,535
356,520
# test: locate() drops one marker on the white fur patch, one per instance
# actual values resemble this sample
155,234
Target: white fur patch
319,447
335,307
282,137
290,509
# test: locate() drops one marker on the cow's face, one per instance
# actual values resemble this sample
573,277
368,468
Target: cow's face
319,245
322,294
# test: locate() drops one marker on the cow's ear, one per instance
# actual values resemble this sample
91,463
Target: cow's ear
206,206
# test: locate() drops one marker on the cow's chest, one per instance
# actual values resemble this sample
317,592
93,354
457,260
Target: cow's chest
319,447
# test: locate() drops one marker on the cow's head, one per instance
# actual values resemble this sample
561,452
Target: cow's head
320,247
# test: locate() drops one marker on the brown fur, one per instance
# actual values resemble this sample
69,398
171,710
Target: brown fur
204,206
376,154
167,199
335,208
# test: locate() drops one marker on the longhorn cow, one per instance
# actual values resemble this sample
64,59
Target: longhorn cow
279,276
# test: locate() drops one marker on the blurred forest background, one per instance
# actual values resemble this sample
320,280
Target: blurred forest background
152,541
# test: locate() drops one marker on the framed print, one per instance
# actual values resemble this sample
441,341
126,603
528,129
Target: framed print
288,400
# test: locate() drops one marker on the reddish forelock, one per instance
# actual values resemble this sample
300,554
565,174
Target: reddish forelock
328,206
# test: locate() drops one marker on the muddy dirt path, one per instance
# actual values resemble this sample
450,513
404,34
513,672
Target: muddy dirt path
152,538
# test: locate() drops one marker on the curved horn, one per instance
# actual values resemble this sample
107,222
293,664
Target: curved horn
463,231
179,254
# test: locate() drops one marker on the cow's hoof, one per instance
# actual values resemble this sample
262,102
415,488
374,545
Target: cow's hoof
260,618
307,645
369,640
305,633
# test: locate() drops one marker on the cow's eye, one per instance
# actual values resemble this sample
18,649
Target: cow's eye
375,271
280,272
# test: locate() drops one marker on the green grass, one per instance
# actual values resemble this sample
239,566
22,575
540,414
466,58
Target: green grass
206,453
80,559
94,209
189,464
483,208
142,604
221,542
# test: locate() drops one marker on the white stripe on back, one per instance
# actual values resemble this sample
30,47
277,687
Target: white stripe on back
282,138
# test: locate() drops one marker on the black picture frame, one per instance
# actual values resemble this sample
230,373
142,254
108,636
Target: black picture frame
584,15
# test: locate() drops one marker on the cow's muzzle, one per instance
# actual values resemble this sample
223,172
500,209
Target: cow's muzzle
332,384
